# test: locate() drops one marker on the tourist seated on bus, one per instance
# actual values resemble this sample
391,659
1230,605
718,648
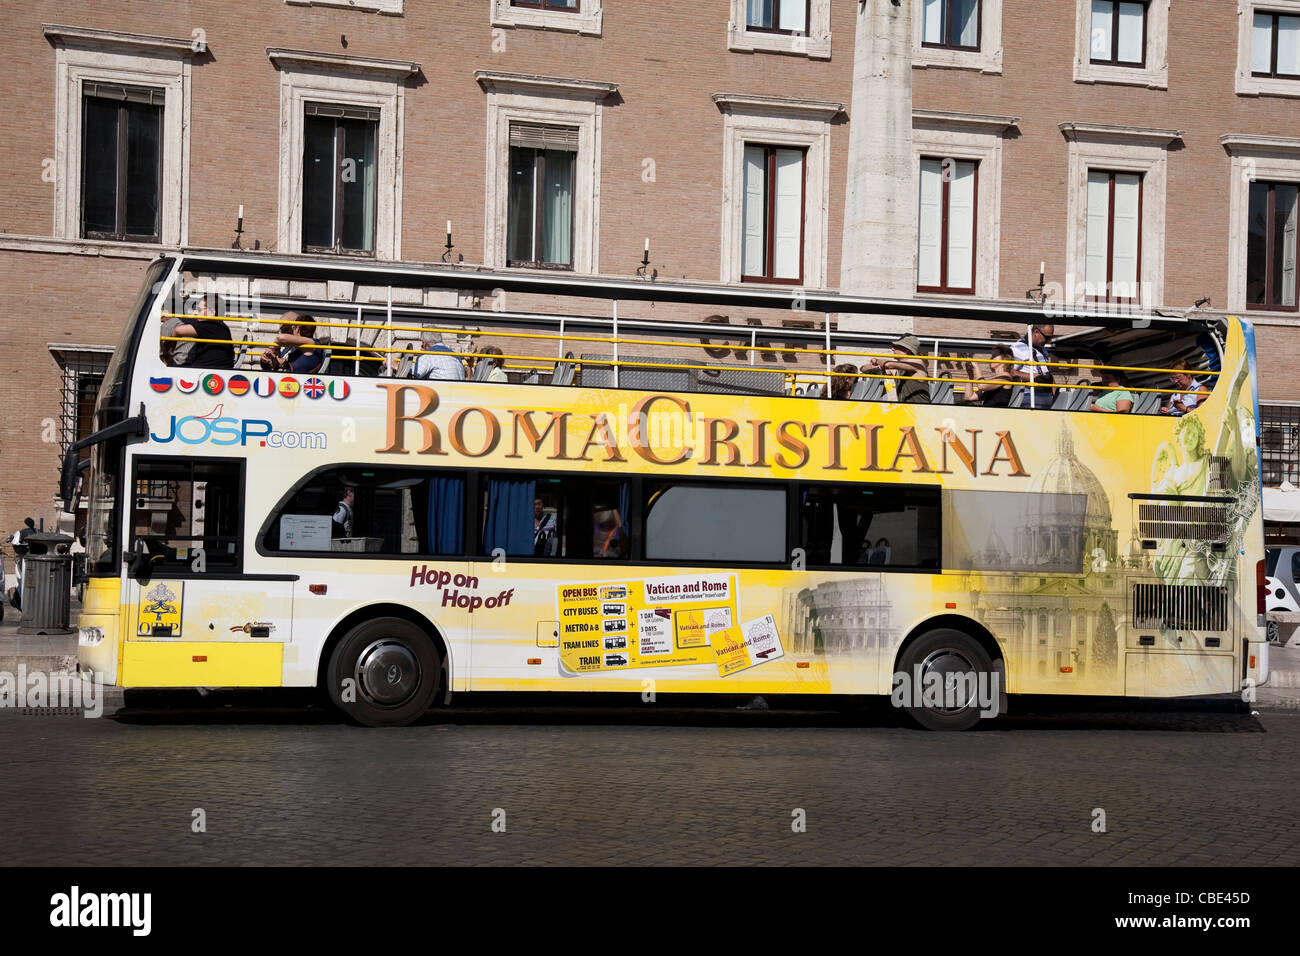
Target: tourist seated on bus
196,325
608,534
438,361
907,367
497,362
998,380
1029,371
296,349
1118,398
545,538
843,380
1191,392
881,553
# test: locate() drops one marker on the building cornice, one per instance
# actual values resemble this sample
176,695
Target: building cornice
965,122
494,81
1252,143
91,38
1097,132
787,105
395,70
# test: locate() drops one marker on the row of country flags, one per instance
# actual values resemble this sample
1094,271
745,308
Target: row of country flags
264,386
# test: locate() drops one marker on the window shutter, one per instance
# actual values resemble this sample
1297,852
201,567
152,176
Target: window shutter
338,111
1288,207
1288,46
1261,43
753,258
129,94
1131,18
1098,216
1101,24
794,16
788,226
537,136
961,226
1128,190
930,223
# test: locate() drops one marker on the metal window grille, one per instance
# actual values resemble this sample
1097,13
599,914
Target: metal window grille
1180,607
1279,435
1190,521
82,374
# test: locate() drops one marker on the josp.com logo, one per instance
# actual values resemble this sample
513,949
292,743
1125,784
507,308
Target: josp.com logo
221,429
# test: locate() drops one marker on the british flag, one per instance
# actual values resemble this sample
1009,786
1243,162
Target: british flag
314,388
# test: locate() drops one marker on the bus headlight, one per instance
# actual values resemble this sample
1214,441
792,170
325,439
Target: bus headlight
90,636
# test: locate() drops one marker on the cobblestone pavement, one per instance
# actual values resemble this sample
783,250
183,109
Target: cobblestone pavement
655,785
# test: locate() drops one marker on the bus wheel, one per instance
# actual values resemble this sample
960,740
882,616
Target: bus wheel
384,673
956,670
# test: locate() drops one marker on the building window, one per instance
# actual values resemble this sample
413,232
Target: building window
122,121
340,185
1275,45
121,172
953,24
568,16
1279,443
570,6
945,253
339,178
1114,235
777,16
773,214
1119,33
539,230
1271,274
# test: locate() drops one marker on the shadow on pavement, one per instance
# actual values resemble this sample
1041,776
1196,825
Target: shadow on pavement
299,706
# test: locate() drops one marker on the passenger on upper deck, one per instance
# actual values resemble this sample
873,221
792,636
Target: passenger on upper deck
296,348
196,325
438,361
906,365
1118,398
995,388
1192,394
843,381
1031,372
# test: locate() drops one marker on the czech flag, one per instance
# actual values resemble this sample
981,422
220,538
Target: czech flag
238,385
313,388
213,384
289,387
186,386
263,387
339,390
160,384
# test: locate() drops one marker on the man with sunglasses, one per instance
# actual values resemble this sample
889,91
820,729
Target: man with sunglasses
1030,372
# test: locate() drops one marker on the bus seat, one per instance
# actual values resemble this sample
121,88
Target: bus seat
941,392
1147,403
563,373
860,389
1064,399
532,378
406,366
1083,399
482,368
324,363
874,390
1017,396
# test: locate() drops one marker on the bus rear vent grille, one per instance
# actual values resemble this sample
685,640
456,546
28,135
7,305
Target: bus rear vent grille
1197,522
1180,607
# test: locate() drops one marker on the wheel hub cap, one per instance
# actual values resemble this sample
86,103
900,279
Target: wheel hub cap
956,678
387,672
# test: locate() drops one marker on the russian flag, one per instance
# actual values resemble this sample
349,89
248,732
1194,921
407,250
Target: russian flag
160,384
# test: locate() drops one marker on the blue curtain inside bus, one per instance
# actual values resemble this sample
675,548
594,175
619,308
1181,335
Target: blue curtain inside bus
446,515
509,522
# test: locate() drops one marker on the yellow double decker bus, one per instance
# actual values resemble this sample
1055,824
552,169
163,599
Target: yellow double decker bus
402,484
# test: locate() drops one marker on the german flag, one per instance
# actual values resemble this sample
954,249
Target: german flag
238,385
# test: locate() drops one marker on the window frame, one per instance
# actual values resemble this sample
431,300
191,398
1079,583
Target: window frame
948,21
1249,83
1110,236
186,571
1270,238
1114,59
120,190
539,168
943,288
548,5
769,214
1272,73
337,227
586,19
776,18
795,528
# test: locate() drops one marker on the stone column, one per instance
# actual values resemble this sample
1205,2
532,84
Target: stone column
878,252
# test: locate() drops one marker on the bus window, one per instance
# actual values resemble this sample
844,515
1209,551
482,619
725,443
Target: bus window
573,517
373,511
692,522
184,505
885,525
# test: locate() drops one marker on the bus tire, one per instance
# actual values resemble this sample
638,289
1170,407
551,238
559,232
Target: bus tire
945,651
384,672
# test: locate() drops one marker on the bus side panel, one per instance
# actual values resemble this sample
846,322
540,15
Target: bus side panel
99,631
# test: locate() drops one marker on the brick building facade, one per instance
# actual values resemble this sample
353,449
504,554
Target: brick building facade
1186,107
